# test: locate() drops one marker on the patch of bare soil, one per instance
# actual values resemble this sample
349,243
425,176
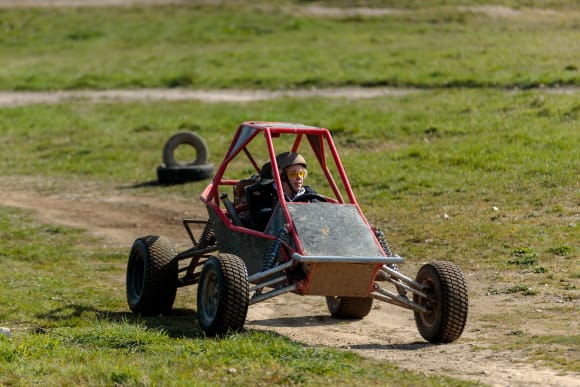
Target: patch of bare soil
16,98
24,98
493,11
118,215
84,3
111,213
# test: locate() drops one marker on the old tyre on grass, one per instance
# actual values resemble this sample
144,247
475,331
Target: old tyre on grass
349,307
184,138
447,302
222,295
184,173
151,281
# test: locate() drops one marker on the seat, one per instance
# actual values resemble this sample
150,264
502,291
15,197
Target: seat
258,196
266,171
249,195
240,189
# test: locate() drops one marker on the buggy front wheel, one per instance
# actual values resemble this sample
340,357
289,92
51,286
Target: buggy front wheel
222,295
446,302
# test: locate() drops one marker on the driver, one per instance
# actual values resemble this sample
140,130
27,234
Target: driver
292,169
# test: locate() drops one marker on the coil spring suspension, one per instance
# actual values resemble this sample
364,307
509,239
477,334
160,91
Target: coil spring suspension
386,248
207,237
273,256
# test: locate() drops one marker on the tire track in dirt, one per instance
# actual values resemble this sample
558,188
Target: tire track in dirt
15,98
492,11
25,98
109,213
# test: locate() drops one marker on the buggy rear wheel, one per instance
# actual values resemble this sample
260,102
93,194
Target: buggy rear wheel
151,281
447,302
349,307
222,295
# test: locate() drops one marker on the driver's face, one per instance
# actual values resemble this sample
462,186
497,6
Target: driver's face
296,175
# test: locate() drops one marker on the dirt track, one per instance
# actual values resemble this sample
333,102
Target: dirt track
16,98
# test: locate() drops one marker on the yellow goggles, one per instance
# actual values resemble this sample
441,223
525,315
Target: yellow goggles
295,174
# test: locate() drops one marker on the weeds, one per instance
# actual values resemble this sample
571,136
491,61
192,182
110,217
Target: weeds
524,289
547,349
561,251
524,257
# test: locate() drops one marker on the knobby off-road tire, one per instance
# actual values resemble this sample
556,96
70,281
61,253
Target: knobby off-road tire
349,307
188,138
447,302
151,281
222,295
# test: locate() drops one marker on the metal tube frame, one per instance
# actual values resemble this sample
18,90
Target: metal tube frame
187,222
195,252
402,282
261,297
263,274
339,259
262,285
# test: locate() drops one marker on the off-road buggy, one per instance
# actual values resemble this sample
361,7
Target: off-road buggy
323,246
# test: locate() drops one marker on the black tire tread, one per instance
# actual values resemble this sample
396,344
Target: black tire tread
238,290
160,276
234,295
455,304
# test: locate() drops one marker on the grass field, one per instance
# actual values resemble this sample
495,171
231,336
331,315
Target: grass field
261,45
461,168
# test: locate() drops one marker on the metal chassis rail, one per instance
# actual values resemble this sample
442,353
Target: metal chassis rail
402,283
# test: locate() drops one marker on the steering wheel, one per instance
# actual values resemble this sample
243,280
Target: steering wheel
309,197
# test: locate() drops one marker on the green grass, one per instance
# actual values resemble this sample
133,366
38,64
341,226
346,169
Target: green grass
252,46
129,354
551,350
551,343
